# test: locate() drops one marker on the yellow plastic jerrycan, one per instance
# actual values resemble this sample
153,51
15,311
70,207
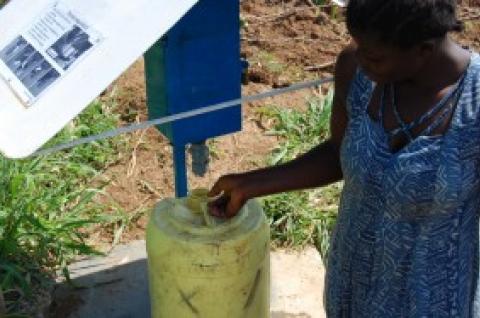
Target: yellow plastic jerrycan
204,267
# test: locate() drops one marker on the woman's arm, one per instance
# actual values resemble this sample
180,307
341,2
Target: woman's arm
318,167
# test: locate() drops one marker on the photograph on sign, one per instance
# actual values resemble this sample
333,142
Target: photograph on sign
70,47
42,54
29,66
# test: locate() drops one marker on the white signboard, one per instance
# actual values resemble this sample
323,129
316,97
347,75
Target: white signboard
57,56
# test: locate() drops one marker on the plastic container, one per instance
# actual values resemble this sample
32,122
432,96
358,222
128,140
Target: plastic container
203,267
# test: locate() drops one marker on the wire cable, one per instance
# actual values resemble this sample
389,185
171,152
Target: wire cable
180,116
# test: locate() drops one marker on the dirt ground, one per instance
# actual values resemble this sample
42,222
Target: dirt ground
284,41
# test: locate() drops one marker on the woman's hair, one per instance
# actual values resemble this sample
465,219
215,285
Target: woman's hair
402,23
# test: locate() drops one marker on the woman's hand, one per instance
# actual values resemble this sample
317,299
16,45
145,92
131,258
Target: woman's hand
232,192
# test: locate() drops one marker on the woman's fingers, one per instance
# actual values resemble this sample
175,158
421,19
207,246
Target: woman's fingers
235,203
226,206
222,185
215,190
231,198
218,207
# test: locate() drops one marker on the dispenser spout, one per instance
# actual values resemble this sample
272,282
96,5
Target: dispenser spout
200,158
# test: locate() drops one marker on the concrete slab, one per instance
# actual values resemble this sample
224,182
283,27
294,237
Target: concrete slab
297,284
116,286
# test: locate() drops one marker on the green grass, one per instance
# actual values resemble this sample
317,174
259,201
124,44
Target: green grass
302,217
276,67
46,205
269,61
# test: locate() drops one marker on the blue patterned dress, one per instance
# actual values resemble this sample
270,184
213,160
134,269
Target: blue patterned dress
406,243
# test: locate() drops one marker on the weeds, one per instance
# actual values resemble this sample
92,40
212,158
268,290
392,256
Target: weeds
302,217
45,205
271,63
300,131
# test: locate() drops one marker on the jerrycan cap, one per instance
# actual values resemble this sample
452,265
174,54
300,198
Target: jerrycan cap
190,214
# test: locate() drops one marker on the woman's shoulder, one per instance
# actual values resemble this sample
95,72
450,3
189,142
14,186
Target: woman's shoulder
346,60
348,74
345,69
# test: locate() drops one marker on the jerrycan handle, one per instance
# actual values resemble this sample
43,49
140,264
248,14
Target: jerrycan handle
197,201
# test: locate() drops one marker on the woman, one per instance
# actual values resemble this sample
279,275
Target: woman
405,137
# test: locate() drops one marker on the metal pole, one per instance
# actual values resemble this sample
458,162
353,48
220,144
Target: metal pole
180,168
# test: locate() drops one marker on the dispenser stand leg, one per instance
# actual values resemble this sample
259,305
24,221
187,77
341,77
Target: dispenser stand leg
180,166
